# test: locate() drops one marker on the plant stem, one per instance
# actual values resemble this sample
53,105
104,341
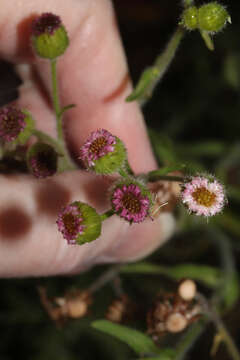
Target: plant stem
107,214
49,140
189,338
64,162
188,3
56,103
154,176
104,278
163,61
226,337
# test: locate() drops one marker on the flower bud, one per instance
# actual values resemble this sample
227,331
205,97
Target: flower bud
42,160
212,17
79,223
49,37
131,200
190,18
103,153
14,124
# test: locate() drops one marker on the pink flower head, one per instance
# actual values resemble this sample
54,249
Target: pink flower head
203,196
99,144
130,202
42,160
11,123
47,23
70,223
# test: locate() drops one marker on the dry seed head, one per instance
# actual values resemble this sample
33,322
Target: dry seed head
176,322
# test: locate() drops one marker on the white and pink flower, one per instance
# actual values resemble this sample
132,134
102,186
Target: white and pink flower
203,195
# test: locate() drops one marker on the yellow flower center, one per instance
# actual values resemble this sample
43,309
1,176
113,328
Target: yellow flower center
204,197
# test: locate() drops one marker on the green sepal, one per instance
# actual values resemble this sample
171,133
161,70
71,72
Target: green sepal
50,46
92,223
27,131
111,162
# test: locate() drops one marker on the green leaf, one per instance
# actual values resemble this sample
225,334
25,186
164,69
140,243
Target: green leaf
139,342
231,290
208,275
65,108
165,354
144,84
206,148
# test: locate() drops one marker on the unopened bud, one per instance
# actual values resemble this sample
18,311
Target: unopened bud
212,17
49,37
190,18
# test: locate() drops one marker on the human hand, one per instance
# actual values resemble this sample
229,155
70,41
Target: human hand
93,75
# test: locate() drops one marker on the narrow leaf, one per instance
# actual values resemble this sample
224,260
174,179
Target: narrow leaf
143,84
139,342
208,275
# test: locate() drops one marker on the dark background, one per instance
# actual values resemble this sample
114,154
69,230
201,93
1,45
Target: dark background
197,102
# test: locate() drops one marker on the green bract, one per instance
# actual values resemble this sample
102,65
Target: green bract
190,18
111,162
91,221
50,46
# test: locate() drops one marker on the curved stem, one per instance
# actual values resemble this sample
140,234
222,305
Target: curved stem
163,61
64,162
103,279
107,214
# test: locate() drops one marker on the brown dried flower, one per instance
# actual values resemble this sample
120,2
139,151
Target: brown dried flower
170,313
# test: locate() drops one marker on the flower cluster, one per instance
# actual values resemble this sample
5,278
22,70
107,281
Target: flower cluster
103,153
211,17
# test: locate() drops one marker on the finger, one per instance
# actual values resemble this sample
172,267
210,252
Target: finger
93,72
31,245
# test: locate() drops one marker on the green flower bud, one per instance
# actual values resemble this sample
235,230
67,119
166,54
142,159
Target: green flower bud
190,18
49,37
103,153
42,160
79,223
212,17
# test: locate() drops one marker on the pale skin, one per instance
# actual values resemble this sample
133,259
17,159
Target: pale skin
92,74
